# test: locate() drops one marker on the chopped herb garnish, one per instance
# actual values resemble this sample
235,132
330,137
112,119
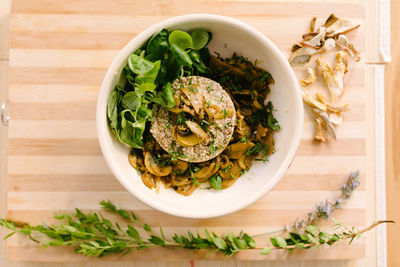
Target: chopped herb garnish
224,170
265,117
225,112
194,90
209,88
193,169
204,125
212,147
259,148
265,76
161,161
215,125
244,139
273,123
195,181
215,182
180,120
176,155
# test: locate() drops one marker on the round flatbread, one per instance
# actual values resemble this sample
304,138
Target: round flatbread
210,106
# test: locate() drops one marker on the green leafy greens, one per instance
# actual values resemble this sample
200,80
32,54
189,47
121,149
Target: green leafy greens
147,77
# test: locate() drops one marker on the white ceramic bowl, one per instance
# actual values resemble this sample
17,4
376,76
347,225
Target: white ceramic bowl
229,35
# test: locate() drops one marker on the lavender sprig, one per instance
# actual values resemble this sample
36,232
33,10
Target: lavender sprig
325,209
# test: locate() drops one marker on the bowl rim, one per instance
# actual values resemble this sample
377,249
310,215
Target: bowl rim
102,127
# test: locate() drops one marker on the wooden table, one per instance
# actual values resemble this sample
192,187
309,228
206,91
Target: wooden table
392,114
391,149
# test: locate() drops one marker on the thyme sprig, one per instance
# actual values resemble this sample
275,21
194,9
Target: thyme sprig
91,234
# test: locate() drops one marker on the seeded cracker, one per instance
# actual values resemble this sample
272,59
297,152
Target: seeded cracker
219,133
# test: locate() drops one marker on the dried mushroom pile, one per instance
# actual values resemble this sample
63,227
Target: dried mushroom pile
316,43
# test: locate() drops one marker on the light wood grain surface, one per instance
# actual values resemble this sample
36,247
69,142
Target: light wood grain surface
392,98
50,148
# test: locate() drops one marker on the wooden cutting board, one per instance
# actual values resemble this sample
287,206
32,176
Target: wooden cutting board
60,51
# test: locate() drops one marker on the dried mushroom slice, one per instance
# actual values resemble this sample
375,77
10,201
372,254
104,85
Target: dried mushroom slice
340,26
334,87
311,77
329,44
302,56
317,39
343,43
326,123
312,24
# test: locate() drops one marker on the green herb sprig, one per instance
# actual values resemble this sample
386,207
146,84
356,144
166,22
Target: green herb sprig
91,234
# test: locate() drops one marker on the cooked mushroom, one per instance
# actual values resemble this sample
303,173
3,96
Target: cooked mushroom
223,161
241,126
344,44
214,112
195,95
149,180
181,181
227,183
197,130
136,162
187,139
237,150
261,132
311,77
244,162
187,189
231,173
180,166
257,104
153,168
269,141
206,172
